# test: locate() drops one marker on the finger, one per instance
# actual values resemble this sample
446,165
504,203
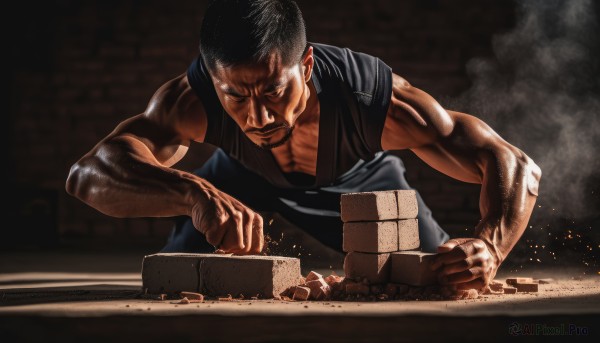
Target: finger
233,242
462,277
458,253
258,239
449,245
248,228
457,267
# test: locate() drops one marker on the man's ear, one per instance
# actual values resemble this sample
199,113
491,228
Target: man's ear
307,64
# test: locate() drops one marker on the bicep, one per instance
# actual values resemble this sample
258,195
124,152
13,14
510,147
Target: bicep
454,143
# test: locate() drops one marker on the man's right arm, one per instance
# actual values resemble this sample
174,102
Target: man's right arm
129,174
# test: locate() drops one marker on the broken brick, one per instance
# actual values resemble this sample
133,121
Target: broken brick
513,281
319,289
510,290
313,276
526,287
301,293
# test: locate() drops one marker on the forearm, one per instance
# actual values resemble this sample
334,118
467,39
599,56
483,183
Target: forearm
125,183
508,195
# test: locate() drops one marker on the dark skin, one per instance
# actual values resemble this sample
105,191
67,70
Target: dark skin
129,173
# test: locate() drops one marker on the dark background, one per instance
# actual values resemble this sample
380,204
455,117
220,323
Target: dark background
78,68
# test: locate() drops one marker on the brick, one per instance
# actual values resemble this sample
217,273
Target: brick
301,293
214,275
526,286
408,234
373,267
380,205
412,268
513,281
510,290
371,237
368,206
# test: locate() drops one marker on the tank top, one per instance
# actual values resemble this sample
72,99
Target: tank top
354,91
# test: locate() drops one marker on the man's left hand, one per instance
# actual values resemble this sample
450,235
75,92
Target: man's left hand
465,263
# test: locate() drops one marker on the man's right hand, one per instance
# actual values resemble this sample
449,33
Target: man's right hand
228,224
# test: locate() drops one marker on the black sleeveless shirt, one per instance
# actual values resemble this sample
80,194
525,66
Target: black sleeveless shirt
354,91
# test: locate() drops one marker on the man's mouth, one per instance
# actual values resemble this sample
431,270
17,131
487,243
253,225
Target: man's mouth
267,131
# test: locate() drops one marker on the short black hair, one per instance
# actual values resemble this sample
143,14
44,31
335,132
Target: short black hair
234,32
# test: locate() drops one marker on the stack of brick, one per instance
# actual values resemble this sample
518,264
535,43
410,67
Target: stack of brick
381,239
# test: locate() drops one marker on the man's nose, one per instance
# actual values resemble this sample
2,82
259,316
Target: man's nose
258,115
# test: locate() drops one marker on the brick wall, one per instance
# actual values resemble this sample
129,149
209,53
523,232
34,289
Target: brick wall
79,68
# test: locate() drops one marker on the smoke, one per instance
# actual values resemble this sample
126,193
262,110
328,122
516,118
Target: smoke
541,93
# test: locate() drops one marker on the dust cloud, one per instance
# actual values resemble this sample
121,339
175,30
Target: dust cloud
541,92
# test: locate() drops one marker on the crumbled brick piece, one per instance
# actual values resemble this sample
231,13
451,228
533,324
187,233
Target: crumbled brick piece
184,301
496,286
526,287
192,295
313,276
319,289
513,281
301,293
163,297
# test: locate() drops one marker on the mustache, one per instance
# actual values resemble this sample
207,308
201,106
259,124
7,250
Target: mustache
268,128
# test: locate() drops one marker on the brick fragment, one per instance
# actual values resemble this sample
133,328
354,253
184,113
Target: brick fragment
301,293
510,290
375,268
413,268
371,237
513,281
526,287
319,289
211,274
192,296
313,276
496,286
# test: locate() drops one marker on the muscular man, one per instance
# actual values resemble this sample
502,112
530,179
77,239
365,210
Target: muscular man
298,123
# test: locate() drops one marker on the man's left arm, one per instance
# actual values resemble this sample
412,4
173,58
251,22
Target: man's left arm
465,148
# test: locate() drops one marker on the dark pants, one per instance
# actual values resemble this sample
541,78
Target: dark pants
315,211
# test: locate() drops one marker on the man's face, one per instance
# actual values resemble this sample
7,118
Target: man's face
266,98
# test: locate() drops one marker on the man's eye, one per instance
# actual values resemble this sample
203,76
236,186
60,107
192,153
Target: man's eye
236,98
276,94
